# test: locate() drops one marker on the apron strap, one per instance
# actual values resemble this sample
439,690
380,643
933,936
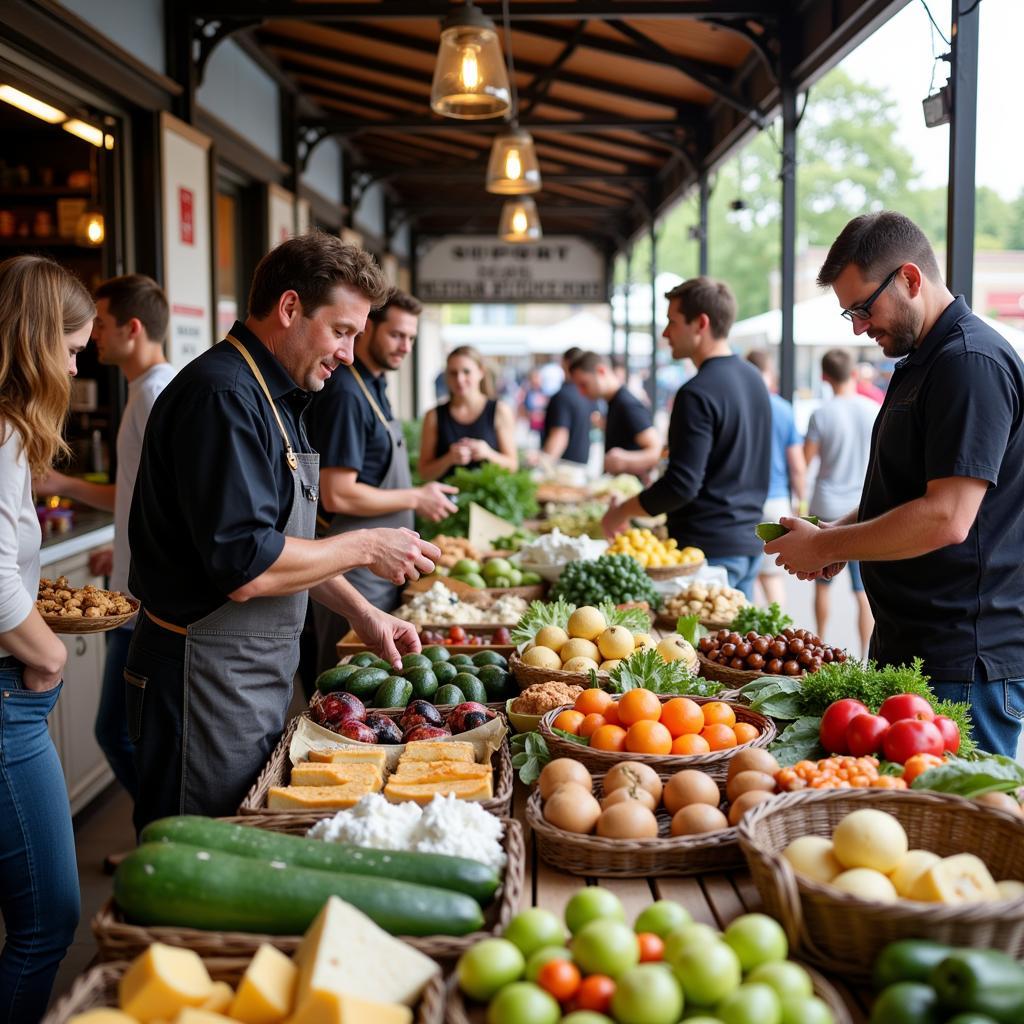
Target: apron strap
366,391
289,452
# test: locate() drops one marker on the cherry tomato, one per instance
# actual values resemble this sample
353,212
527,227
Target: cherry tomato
950,732
561,978
906,705
835,721
910,736
652,948
595,993
457,635
865,733
917,764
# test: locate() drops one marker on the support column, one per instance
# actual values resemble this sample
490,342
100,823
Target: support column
652,377
181,64
703,193
963,81
626,326
787,347
290,149
413,275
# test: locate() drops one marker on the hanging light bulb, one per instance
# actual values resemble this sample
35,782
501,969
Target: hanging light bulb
91,228
470,80
512,169
520,221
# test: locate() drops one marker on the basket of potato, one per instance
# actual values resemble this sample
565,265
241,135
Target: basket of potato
715,604
88,609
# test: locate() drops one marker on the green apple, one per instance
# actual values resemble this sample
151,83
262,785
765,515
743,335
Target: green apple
531,929
464,566
751,1004
542,956
590,903
647,994
757,939
586,1017
700,1017
707,973
786,977
693,934
523,1003
807,1010
488,966
605,947
662,918
496,567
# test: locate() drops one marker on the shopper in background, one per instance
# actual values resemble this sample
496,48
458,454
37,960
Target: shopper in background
865,379
532,402
787,486
631,444
45,320
129,332
839,437
566,433
472,427
719,440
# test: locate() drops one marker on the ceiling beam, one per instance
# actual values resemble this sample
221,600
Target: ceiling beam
418,126
541,84
461,174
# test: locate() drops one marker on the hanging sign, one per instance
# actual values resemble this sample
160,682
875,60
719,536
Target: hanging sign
280,215
185,165
482,268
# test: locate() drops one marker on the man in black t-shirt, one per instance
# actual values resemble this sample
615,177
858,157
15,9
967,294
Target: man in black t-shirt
566,433
940,527
631,444
719,440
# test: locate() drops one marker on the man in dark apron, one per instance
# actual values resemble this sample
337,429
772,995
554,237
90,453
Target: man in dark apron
221,533
365,480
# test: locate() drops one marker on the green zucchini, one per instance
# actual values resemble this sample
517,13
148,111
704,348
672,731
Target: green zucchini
459,874
193,887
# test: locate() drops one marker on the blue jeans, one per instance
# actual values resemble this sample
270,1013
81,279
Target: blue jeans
111,723
741,570
38,872
997,710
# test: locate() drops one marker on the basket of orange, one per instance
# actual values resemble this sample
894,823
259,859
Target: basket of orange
666,732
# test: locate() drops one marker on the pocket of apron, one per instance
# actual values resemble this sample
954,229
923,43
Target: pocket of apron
134,694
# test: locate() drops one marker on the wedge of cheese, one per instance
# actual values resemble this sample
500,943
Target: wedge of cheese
102,1016
308,773
194,1015
305,798
162,981
433,750
439,771
350,755
398,791
266,992
220,998
352,1010
345,955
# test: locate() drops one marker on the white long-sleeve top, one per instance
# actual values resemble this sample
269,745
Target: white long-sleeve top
20,536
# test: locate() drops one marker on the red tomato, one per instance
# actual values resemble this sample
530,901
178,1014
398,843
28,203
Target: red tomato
652,948
595,993
835,721
457,635
950,732
910,736
501,635
561,978
906,705
865,733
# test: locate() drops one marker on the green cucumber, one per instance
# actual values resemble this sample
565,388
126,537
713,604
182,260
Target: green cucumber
197,887
456,873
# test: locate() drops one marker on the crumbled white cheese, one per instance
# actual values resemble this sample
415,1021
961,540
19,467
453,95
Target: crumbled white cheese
441,606
555,548
446,825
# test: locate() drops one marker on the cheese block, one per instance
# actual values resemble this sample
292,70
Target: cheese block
220,998
345,954
331,798
162,981
434,750
102,1016
352,1010
439,771
307,773
962,878
350,755
398,791
266,992
195,1015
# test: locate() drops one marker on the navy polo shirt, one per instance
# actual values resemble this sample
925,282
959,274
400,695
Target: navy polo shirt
214,489
627,417
569,409
955,407
345,430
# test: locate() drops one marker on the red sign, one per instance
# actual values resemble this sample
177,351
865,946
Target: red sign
186,215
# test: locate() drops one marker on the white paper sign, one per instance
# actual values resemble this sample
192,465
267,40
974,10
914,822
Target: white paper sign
280,215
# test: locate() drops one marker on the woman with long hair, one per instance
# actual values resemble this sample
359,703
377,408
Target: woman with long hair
46,317
472,427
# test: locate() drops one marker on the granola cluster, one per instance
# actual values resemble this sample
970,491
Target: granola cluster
58,598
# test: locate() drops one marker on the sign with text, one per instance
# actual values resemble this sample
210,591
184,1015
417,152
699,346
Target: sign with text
482,268
280,215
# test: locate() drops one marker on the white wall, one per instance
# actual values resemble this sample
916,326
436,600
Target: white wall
369,215
323,172
137,27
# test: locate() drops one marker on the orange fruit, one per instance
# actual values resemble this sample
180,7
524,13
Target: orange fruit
918,763
647,737
690,743
590,725
595,993
652,947
608,737
682,715
570,721
611,713
745,732
717,712
561,978
639,706
719,737
593,701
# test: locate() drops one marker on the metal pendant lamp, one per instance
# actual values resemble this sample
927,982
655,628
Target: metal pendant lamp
513,169
520,221
470,78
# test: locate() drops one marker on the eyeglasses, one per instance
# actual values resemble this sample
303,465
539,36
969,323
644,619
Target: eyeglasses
863,311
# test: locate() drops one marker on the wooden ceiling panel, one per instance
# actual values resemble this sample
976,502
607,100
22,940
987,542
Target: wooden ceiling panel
617,103
599,146
685,37
354,42
617,71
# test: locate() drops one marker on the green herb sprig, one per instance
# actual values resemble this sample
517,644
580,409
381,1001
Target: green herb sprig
647,669
529,755
768,621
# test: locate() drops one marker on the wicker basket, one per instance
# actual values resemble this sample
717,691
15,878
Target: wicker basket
98,988
596,856
716,764
664,621
527,675
277,772
117,939
351,644
843,933
100,624
733,677
494,705
671,572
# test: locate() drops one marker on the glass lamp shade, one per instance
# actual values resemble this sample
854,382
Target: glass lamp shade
470,78
520,221
512,169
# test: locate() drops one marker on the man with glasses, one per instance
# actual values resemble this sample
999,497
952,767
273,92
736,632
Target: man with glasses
940,528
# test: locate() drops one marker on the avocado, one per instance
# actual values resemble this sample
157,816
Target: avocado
482,658
424,682
365,682
494,679
445,671
363,659
773,531
394,692
334,678
436,653
449,694
415,661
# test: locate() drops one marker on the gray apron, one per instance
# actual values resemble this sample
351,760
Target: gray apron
240,661
331,627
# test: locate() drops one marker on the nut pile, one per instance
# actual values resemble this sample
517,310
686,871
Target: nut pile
791,653
713,602
58,598
453,549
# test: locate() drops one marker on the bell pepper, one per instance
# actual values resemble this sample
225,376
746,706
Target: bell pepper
983,981
908,960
